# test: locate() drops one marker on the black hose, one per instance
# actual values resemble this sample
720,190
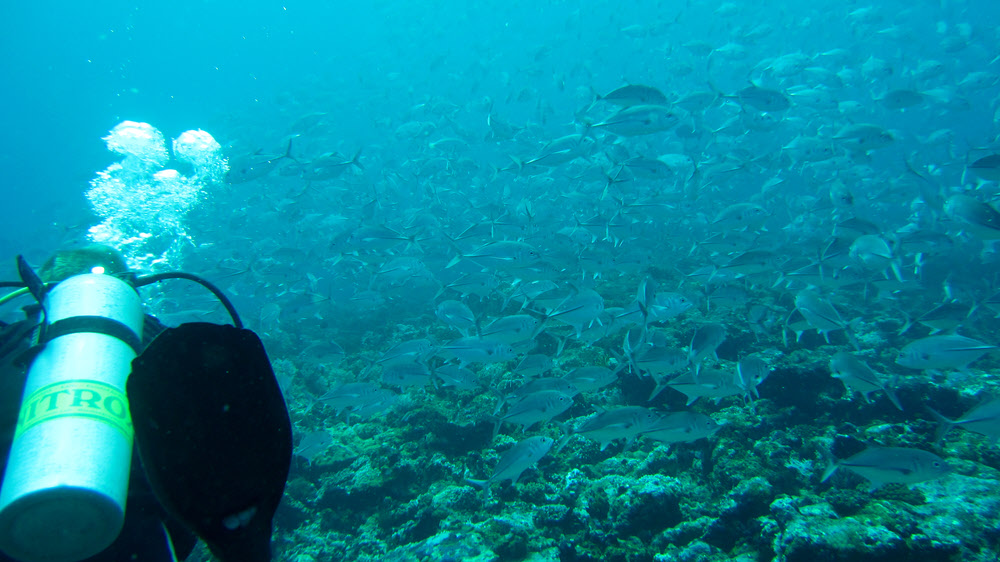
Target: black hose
157,277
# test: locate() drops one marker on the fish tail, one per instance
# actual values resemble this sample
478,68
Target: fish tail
459,256
518,165
831,465
354,161
484,485
288,149
907,323
944,425
890,392
496,426
849,330
660,386
567,434
596,98
711,86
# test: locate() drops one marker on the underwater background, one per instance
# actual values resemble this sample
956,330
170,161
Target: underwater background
564,280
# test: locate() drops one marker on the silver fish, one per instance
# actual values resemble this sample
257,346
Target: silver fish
480,284
660,363
668,305
501,255
313,444
942,353
327,353
587,379
350,396
741,216
378,402
457,315
398,272
874,253
538,385
526,292
858,376
514,461
819,313
407,374
760,98
984,419
980,219
863,137
640,120
253,166
682,427
579,310
511,329
711,383
945,317
537,407
633,94
901,99
533,365
987,167
751,262
892,465
626,422
328,166
409,351
459,377
751,371
475,350
706,339
728,295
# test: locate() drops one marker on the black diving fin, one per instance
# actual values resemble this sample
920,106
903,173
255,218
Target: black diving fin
213,433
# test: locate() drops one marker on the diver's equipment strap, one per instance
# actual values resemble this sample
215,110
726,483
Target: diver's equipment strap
90,325
31,279
157,277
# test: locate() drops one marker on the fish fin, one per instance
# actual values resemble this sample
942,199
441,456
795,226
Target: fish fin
890,392
481,484
484,485
944,425
354,160
907,323
563,441
831,465
288,149
660,386
497,422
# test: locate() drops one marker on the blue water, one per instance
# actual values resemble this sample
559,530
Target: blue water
394,78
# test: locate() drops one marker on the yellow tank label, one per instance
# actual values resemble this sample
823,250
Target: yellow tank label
78,399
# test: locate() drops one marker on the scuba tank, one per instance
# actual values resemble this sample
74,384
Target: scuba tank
64,489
